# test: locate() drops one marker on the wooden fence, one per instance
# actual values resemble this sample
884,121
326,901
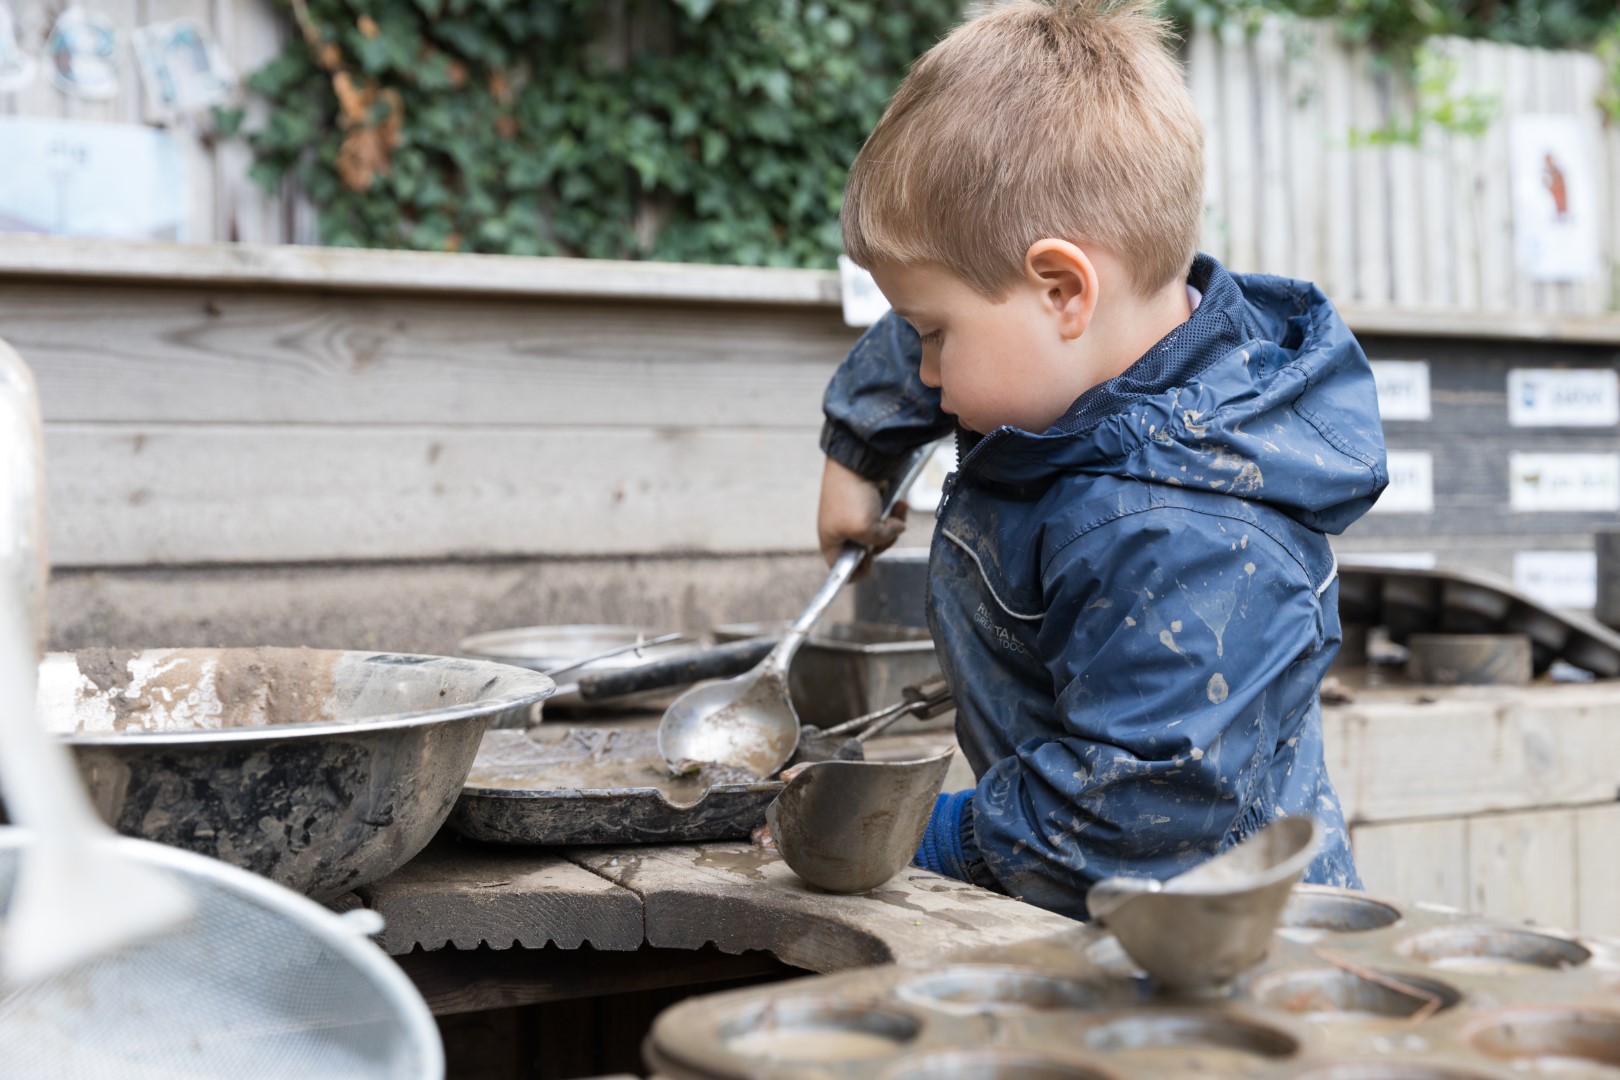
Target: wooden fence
1426,226
1412,226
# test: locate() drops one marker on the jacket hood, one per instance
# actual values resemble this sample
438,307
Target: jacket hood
1263,393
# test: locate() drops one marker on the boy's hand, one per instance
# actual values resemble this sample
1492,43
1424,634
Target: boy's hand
850,505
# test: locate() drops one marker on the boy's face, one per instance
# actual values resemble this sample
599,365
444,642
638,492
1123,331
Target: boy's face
997,363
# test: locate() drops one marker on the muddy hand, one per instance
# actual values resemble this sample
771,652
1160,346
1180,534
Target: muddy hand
851,509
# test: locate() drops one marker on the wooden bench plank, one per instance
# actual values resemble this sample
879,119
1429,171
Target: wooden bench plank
740,897
463,897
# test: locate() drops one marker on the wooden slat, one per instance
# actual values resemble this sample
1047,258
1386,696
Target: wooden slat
1203,82
1423,861
142,495
422,607
1433,197
1338,202
916,916
351,270
1522,866
1597,866
465,897
1409,255
1309,146
1238,155
1508,749
1464,206
1584,80
1498,257
1274,220
1368,113
187,356
251,34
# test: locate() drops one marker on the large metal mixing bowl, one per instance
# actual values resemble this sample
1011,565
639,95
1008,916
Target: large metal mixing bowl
322,770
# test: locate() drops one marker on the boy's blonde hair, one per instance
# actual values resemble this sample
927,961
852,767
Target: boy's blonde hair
1067,118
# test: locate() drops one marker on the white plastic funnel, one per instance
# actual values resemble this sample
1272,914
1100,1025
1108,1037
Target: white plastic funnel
75,897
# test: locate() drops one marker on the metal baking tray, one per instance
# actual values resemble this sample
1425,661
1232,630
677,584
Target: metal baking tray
848,669
553,786
1352,988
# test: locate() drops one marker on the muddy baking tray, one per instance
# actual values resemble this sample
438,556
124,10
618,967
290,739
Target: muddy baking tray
552,786
1352,988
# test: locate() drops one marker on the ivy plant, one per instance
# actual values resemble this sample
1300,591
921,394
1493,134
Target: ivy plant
686,130
693,130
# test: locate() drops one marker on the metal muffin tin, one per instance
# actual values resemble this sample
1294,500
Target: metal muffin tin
1353,988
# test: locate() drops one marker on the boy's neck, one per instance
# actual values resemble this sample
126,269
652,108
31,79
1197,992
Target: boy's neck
1126,329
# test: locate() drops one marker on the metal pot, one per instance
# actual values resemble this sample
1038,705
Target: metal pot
320,769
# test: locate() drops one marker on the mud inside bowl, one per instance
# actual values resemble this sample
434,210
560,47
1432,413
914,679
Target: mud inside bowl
1552,1041
320,769
811,1031
1492,950
1166,1043
971,988
1311,915
1393,1070
1331,994
991,1064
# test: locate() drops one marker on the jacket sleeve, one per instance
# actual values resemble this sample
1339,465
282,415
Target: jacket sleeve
876,406
1166,634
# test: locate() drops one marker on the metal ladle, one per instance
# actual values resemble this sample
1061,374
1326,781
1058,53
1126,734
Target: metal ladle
749,722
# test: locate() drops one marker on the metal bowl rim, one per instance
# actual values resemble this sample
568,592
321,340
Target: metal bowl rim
539,687
478,646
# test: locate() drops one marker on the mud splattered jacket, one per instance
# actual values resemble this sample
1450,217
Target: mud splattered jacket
1135,608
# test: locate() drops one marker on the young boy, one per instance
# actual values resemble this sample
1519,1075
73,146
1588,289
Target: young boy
1130,588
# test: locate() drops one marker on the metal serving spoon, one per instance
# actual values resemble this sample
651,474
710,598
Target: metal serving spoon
749,722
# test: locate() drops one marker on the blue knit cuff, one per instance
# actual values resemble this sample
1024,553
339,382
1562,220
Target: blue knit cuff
841,444
941,848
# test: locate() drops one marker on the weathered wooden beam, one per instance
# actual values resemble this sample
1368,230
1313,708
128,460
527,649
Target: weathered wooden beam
738,897
1395,757
462,897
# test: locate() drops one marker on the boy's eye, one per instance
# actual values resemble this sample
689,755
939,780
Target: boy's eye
932,337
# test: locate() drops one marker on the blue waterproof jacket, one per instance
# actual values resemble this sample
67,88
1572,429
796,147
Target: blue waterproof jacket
1135,608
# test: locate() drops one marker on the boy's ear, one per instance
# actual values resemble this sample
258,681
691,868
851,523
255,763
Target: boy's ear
1067,281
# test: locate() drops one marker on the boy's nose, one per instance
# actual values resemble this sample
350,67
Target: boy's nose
928,372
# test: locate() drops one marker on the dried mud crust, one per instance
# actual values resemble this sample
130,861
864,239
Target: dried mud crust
591,759
186,689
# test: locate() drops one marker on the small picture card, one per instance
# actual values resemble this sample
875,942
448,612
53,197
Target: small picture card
1560,579
1411,484
1554,198
1563,397
115,181
17,68
83,49
1403,389
864,303
1552,483
182,69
